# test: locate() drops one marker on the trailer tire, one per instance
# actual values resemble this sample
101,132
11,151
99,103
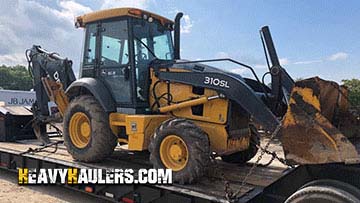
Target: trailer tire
322,194
242,157
87,134
191,140
336,184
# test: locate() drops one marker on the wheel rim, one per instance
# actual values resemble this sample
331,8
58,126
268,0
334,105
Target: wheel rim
174,153
80,129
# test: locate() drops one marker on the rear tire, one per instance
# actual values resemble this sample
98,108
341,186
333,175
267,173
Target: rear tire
86,116
242,157
189,139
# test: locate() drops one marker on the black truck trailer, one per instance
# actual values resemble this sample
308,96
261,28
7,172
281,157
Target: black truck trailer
269,181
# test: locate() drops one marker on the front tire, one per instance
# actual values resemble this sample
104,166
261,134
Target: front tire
87,134
182,146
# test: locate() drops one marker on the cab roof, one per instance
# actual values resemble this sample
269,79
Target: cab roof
81,21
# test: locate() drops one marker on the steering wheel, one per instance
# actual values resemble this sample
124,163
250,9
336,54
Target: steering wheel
142,55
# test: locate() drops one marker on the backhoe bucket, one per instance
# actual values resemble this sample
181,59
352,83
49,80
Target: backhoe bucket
319,127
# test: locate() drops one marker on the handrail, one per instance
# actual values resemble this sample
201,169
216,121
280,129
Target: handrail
222,59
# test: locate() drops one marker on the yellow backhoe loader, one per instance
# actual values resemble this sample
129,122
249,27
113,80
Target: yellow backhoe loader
134,90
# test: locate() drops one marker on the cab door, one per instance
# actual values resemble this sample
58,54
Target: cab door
114,61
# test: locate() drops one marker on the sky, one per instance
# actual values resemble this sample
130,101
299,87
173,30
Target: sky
312,37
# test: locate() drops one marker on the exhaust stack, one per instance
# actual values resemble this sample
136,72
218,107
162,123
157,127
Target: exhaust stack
177,36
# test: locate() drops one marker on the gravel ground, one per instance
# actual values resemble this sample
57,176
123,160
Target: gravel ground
10,192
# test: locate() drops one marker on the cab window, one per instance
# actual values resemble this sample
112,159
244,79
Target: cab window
151,41
90,42
114,44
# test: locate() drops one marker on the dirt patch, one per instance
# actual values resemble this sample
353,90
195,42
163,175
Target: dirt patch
10,192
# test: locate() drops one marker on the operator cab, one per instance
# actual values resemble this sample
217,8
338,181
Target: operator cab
119,46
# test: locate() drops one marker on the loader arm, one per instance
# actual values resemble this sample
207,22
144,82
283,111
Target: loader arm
265,107
281,81
236,90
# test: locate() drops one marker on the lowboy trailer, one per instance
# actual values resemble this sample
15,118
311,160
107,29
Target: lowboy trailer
267,183
146,97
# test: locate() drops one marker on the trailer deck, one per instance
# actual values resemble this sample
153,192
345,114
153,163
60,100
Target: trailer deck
211,187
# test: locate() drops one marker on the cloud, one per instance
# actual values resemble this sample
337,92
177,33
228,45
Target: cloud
284,61
338,56
222,54
333,57
142,4
307,62
51,26
187,24
260,66
71,9
13,59
238,70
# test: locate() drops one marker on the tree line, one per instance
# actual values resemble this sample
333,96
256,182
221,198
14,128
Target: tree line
354,91
18,78
15,78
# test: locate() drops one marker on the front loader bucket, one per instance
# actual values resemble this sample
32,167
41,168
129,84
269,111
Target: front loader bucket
318,125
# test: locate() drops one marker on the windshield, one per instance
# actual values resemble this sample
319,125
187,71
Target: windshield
152,40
